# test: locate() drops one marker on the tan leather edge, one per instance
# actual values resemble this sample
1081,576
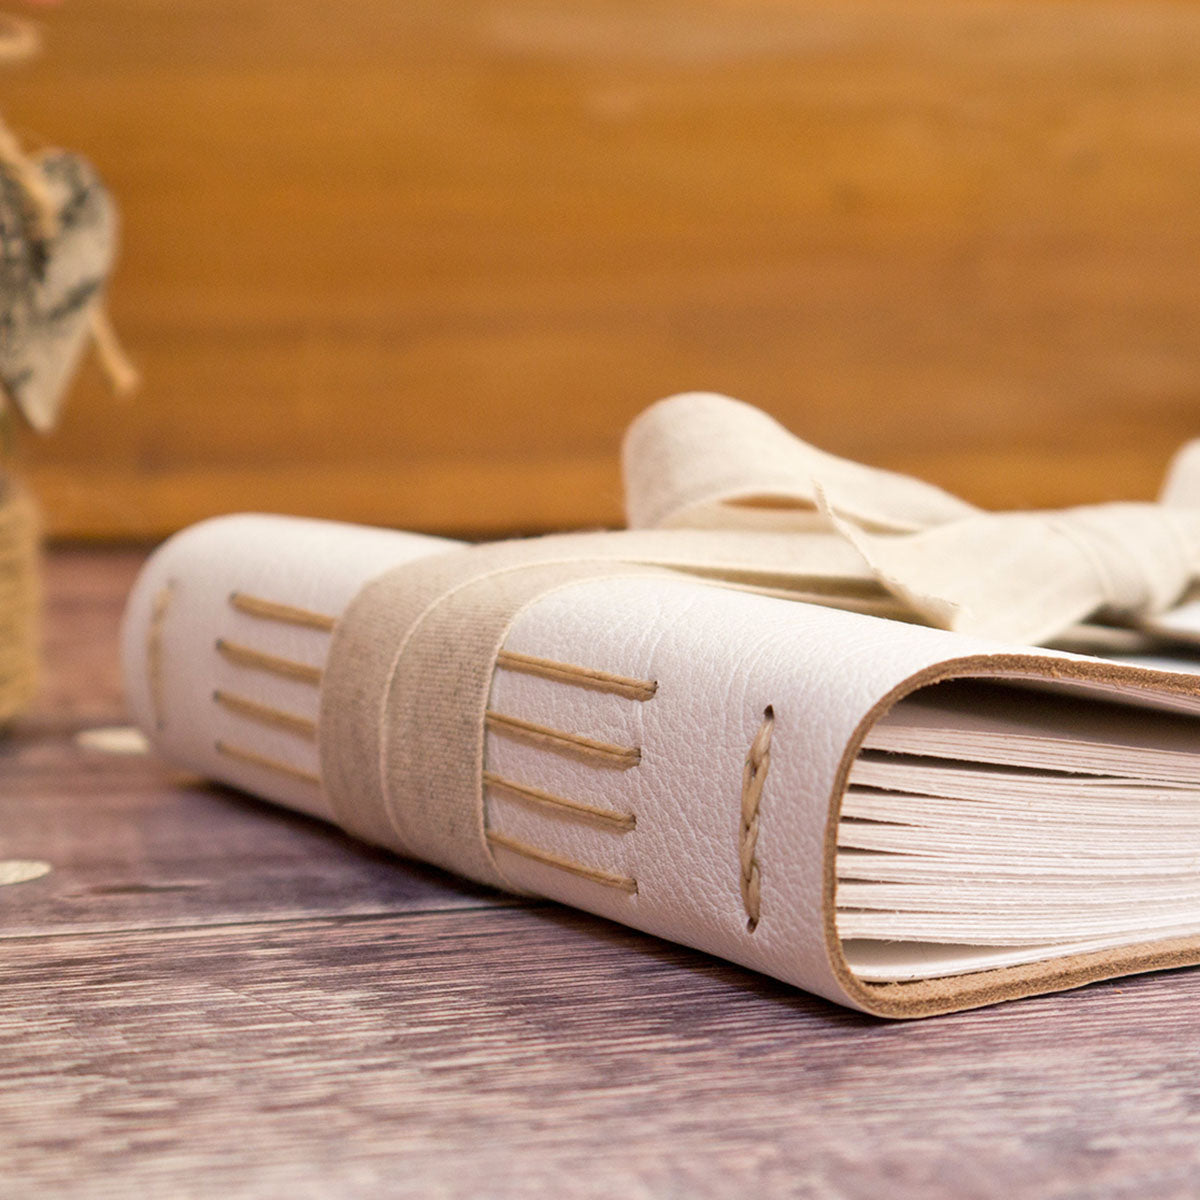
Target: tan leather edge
927,997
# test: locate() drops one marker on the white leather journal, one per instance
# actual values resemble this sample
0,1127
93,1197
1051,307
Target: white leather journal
682,728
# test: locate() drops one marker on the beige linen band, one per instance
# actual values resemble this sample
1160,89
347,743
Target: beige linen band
405,692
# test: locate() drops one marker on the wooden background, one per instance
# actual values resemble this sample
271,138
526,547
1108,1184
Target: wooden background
418,263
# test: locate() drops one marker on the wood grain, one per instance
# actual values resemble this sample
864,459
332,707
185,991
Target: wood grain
135,846
419,263
508,1053
80,678
212,998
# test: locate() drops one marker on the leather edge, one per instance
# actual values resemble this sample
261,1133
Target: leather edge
929,997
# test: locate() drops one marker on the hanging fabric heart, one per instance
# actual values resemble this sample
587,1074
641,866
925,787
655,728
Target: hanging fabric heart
56,251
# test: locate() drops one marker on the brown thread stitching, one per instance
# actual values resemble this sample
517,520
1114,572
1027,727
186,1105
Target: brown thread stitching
585,677
623,822
623,882
245,656
754,776
270,764
603,754
256,606
266,715
154,652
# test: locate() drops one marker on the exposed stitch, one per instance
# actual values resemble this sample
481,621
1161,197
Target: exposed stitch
19,599
289,614
154,653
246,656
558,741
754,776
265,714
270,764
623,822
585,677
623,882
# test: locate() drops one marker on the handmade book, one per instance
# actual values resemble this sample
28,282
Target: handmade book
824,721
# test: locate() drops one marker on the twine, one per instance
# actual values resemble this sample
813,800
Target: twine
754,777
20,598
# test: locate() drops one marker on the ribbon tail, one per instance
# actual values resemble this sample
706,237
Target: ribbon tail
1181,488
1009,577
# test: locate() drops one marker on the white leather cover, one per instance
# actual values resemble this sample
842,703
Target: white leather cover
720,658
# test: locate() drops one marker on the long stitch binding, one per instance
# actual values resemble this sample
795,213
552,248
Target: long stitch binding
154,653
287,668
622,882
624,822
254,759
558,741
289,614
584,677
265,714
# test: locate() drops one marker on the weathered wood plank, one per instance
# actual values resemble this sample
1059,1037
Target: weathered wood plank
81,679
131,846
517,1053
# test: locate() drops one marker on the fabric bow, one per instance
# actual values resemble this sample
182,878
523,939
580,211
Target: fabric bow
822,528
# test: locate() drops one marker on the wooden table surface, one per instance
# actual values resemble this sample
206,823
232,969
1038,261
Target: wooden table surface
207,996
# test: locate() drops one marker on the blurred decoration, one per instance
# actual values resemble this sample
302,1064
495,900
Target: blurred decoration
57,244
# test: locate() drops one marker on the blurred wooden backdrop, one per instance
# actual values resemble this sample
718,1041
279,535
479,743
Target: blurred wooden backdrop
419,261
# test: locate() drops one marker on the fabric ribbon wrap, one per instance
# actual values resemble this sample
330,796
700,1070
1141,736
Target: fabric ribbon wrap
718,490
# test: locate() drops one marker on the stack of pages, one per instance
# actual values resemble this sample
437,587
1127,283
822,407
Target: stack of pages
992,825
